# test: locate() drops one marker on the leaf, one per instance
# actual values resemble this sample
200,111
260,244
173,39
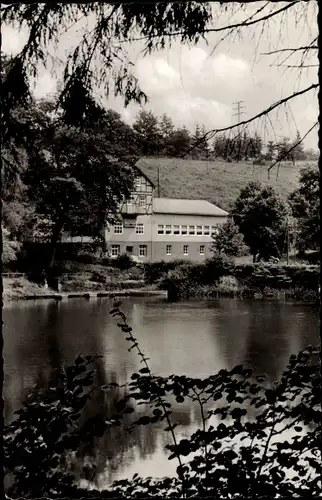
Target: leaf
129,409
144,370
145,420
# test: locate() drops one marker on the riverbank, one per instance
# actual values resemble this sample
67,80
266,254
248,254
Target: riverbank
221,277
22,289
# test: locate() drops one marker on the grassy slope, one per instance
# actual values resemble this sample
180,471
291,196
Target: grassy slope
216,181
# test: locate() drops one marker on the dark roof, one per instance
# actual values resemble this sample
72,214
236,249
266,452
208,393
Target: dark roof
144,175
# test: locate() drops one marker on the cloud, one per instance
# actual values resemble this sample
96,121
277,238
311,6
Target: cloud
12,40
156,75
198,84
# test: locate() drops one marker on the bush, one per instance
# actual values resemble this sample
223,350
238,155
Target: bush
99,277
123,262
106,261
154,271
86,258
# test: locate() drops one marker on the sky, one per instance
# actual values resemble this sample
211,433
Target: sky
200,84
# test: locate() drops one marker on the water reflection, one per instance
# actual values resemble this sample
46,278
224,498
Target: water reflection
192,338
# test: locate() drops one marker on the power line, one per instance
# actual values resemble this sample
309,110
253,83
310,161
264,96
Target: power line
238,112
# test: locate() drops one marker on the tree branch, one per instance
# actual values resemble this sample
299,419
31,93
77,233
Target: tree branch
294,65
259,115
308,47
242,24
284,155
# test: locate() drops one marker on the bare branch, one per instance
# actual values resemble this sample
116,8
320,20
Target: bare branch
284,155
253,118
294,65
308,47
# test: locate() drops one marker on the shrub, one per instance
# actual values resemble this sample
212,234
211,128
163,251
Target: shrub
106,261
99,277
86,258
123,262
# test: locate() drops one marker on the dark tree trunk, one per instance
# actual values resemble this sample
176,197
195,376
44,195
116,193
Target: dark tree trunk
55,237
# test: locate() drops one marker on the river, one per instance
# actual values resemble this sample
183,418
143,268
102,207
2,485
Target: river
196,338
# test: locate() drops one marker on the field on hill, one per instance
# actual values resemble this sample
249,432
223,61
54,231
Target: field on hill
216,181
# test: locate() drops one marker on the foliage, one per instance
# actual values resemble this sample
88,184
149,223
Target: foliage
255,438
183,279
186,279
148,134
48,429
77,177
124,262
305,203
242,147
229,240
261,215
154,271
10,248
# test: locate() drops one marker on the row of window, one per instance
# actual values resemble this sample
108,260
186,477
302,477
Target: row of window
137,200
185,250
115,250
184,230
139,228
173,229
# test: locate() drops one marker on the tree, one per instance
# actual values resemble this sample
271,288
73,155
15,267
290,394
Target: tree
229,240
298,148
148,134
200,144
261,217
100,59
166,129
283,148
271,148
78,176
180,141
305,204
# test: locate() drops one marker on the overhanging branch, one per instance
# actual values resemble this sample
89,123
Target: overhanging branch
259,115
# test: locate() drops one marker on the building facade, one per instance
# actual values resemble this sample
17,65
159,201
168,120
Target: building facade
151,229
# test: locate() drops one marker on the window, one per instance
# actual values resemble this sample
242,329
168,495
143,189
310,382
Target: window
206,230
199,230
202,250
115,250
142,251
185,249
118,229
142,201
168,229
176,229
137,182
214,231
160,229
184,229
169,249
191,229
132,199
139,228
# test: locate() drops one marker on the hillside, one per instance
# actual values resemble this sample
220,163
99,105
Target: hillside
216,182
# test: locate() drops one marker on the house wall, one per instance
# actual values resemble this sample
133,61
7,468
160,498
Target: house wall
156,244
